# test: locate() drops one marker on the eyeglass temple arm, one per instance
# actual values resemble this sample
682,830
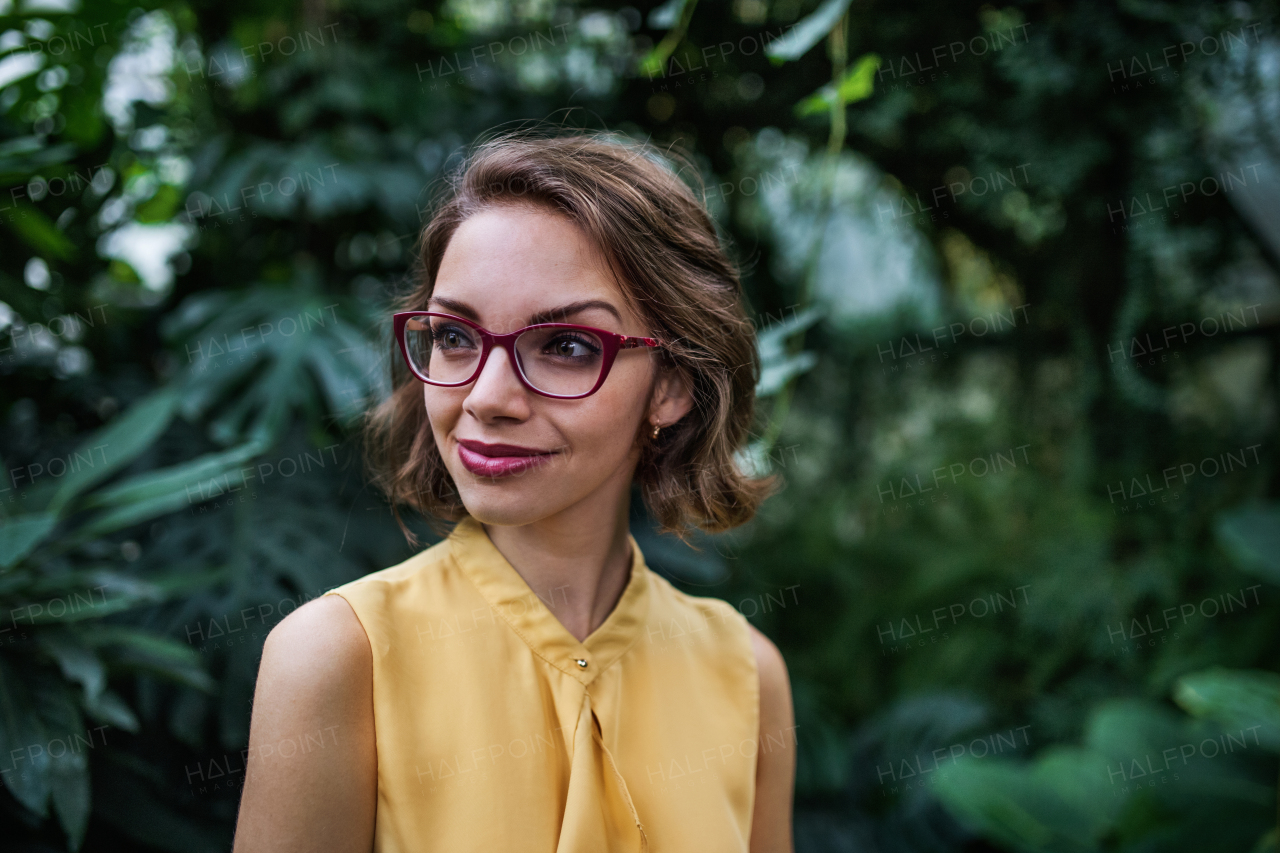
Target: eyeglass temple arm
629,342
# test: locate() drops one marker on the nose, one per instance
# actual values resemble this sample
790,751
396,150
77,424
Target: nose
497,392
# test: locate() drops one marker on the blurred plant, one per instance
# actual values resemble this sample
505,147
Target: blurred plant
205,291
79,647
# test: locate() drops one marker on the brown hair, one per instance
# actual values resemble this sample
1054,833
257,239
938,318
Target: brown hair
663,249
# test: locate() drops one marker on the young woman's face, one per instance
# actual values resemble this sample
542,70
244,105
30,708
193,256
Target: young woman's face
501,268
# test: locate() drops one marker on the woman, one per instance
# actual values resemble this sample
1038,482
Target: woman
528,683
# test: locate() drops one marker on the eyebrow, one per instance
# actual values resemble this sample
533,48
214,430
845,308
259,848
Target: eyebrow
548,316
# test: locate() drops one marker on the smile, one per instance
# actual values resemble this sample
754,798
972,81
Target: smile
500,460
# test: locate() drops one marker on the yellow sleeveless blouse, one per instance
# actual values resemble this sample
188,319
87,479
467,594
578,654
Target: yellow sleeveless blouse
497,730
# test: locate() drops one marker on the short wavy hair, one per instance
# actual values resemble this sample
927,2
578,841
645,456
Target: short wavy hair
662,247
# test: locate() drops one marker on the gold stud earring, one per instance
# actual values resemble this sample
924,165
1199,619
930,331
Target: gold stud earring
656,429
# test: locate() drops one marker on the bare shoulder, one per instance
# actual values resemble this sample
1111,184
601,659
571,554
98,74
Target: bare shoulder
311,777
775,686
322,643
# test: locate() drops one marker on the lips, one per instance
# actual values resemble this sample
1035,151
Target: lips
500,460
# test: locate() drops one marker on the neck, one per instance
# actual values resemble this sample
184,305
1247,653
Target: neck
577,562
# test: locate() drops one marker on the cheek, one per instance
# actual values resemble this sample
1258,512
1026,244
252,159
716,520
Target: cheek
610,422
443,407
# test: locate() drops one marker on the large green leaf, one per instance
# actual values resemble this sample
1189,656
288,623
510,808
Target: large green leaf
1252,535
22,156
1058,803
97,593
811,30
777,366
142,649
664,17
69,759
78,663
110,709
194,312
674,16
1248,700
291,345
858,83
168,490
69,781
776,373
176,478
347,389
772,339
22,740
20,534
118,443
39,233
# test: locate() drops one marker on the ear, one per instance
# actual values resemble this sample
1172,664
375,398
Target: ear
672,398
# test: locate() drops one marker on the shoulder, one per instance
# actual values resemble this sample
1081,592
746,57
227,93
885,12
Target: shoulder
315,688
319,647
775,684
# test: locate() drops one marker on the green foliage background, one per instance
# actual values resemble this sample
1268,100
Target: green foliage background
185,181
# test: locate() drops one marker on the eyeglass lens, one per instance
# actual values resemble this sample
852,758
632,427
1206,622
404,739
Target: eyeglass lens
560,361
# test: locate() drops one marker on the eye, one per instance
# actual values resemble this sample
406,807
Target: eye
571,346
451,336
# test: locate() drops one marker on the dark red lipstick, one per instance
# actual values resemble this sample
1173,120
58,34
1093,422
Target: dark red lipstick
499,460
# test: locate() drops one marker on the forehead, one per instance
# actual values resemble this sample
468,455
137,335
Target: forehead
510,263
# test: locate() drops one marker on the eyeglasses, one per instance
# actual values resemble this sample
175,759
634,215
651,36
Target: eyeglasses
558,360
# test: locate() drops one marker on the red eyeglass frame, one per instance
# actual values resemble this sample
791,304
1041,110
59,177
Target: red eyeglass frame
611,341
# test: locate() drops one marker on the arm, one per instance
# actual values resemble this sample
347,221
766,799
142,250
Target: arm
315,691
776,759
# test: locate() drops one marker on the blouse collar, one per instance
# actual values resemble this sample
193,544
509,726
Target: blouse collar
507,592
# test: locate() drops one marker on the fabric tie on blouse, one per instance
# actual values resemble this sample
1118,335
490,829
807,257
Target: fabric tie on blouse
598,807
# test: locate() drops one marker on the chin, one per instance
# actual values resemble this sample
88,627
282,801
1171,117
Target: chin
502,513
509,503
